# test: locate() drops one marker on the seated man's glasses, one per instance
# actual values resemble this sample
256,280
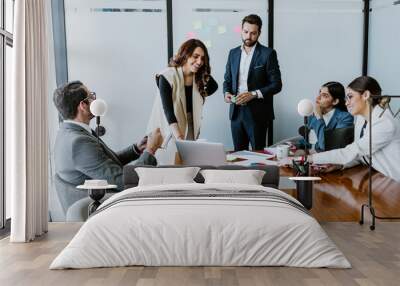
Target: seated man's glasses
92,96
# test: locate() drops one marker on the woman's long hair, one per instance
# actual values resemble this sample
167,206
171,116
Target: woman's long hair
363,83
202,76
336,90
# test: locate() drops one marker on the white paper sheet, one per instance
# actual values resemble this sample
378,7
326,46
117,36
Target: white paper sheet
251,155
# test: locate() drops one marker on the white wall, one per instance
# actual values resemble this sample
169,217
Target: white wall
117,54
316,42
384,47
219,29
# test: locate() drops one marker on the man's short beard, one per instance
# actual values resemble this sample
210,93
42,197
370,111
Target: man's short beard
251,45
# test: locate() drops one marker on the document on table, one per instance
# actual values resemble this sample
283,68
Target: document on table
251,155
251,158
255,162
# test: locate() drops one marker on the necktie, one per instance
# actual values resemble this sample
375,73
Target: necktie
366,162
363,129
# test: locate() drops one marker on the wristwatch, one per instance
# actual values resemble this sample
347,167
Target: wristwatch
254,93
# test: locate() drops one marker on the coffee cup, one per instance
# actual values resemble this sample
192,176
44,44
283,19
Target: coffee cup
282,151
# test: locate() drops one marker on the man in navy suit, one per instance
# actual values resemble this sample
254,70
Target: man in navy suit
252,77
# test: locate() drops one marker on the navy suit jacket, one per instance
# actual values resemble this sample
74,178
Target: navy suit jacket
264,74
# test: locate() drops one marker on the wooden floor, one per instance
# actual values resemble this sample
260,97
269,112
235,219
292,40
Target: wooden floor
374,255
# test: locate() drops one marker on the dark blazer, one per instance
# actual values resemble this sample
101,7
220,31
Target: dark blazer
264,74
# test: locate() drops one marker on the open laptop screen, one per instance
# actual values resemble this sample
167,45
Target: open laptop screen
201,153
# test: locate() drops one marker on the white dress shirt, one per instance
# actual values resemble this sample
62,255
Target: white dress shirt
327,116
313,139
385,146
245,61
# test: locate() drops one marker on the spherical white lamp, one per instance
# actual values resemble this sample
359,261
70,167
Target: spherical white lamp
98,107
305,107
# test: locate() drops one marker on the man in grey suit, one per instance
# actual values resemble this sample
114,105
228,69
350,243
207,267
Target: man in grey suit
78,154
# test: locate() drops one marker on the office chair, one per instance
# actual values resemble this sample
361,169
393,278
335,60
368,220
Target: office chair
338,138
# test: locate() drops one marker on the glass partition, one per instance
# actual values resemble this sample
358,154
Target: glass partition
218,24
9,13
384,47
116,48
317,42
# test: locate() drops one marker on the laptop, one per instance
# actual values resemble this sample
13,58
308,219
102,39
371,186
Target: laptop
201,153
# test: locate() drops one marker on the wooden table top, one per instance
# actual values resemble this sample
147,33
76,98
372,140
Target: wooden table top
340,194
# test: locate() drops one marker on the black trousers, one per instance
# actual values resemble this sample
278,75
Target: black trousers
246,130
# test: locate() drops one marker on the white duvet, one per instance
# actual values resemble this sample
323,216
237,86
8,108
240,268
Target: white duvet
200,231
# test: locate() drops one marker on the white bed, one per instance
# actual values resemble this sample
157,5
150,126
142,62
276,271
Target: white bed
202,231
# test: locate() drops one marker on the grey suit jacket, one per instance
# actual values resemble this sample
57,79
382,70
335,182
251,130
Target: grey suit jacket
78,157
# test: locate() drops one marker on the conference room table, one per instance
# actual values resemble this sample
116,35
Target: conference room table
339,195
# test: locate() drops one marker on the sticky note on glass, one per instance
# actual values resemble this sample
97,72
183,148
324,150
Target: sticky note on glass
237,29
207,30
213,21
197,25
190,35
221,29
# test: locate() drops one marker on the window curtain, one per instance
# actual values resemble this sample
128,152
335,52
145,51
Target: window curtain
28,123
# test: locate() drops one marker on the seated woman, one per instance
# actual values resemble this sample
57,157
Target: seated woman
385,133
183,87
330,113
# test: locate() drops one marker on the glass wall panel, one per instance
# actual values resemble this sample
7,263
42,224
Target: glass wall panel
9,67
1,14
2,127
116,48
9,9
384,47
316,42
218,24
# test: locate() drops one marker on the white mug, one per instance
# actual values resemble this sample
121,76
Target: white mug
282,151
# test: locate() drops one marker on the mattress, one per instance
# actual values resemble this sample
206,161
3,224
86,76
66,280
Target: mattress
201,225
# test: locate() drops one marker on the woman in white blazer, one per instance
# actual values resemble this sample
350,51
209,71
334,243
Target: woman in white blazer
385,132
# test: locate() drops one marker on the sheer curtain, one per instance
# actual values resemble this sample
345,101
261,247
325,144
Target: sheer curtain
28,123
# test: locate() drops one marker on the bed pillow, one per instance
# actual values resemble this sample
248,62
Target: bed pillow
166,176
248,177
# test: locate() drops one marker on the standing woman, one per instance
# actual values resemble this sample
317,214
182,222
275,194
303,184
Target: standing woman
183,87
385,133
